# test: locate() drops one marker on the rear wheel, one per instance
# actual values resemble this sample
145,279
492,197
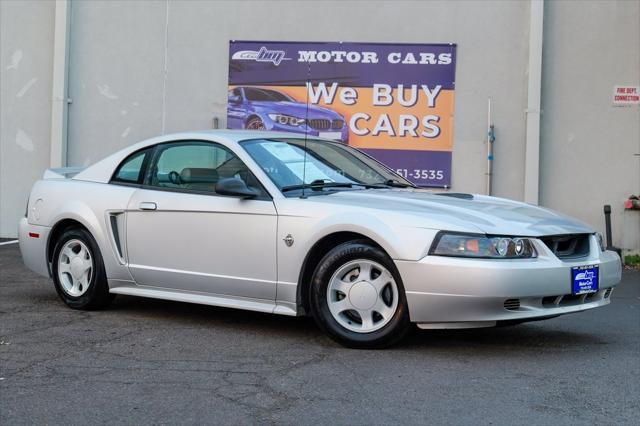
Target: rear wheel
357,297
78,271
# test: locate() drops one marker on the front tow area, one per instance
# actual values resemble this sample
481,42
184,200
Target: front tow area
475,312
480,292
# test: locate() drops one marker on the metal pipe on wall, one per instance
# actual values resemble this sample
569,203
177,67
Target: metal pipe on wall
534,87
59,97
490,139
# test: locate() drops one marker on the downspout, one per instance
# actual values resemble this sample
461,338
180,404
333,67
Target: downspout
532,144
59,97
490,140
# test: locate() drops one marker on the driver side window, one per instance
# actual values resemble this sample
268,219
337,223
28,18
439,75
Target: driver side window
196,166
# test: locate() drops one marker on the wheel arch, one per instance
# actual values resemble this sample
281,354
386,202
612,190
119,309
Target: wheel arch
75,214
251,116
94,221
315,254
58,229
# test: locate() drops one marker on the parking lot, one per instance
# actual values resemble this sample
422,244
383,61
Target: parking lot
149,361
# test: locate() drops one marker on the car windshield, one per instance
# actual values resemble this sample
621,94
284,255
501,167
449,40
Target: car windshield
326,167
253,94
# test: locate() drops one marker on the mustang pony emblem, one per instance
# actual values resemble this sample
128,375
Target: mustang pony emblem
288,240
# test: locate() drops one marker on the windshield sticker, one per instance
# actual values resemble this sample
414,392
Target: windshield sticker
283,151
312,172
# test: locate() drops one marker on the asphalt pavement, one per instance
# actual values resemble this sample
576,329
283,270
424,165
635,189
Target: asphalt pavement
146,361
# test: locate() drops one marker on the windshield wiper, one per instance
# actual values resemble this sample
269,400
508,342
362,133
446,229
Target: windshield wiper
322,183
317,185
394,183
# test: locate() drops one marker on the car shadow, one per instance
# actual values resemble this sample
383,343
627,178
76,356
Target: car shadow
523,336
185,314
302,330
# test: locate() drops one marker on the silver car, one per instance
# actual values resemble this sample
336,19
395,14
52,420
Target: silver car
272,222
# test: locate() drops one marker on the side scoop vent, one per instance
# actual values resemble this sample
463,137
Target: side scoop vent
115,233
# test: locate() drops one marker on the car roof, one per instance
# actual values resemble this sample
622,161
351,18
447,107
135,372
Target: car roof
228,135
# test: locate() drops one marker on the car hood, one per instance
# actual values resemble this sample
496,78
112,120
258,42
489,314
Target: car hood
297,109
473,213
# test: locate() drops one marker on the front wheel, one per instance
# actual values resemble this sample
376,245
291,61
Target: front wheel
357,297
78,271
255,124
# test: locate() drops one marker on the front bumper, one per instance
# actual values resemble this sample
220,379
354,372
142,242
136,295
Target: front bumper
448,292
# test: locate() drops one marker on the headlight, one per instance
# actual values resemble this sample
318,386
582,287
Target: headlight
286,119
482,246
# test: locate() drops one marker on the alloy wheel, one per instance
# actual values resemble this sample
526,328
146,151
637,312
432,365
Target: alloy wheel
75,268
362,296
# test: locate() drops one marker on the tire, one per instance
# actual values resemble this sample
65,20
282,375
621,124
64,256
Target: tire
255,123
341,304
77,286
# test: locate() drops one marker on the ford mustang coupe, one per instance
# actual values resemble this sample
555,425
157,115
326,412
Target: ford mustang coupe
275,223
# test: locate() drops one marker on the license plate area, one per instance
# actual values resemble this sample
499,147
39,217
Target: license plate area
585,279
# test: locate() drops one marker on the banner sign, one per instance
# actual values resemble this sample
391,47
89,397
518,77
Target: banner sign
393,101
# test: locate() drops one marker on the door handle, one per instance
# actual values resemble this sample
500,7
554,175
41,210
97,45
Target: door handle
147,205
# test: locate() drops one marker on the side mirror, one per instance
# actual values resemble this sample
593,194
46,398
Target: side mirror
233,99
235,187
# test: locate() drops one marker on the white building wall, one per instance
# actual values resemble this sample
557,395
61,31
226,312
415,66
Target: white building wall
26,37
194,36
589,148
116,76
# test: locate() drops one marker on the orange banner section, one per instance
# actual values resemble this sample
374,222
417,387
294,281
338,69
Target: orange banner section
417,127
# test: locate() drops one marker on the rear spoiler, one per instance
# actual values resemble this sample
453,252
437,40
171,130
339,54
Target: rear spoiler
62,172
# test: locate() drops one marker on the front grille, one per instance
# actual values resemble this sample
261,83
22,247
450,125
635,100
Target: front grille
337,124
512,304
571,299
320,123
568,246
591,296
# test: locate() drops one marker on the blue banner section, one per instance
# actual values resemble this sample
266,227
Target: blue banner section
351,64
395,101
424,168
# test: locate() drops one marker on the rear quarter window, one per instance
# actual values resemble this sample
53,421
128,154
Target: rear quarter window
131,170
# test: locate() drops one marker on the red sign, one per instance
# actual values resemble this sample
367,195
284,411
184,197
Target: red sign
626,95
